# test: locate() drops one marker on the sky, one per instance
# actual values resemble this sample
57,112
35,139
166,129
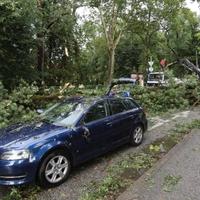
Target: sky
193,6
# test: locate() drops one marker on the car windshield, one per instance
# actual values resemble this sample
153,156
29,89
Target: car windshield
64,114
156,77
120,89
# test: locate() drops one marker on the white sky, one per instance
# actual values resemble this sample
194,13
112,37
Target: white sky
194,6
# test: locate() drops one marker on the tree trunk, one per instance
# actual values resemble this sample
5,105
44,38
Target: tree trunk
112,36
190,66
40,57
40,45
111,64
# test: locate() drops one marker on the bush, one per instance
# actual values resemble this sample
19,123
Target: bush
16,106
156,100
192,90
20,104
163,99
191,82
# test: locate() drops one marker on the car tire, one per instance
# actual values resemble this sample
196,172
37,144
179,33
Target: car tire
137,135
54,169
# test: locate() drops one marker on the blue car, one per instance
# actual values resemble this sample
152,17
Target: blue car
66,135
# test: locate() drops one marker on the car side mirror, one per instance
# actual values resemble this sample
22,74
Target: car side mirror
86,134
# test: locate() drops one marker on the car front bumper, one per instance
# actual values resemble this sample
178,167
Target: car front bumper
17,172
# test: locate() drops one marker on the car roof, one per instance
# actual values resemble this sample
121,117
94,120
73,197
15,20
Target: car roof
87,102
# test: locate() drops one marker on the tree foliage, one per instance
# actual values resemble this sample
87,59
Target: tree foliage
16,42
17,106
49,42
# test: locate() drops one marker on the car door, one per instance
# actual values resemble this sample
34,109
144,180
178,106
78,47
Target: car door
132,113
94,132
120,117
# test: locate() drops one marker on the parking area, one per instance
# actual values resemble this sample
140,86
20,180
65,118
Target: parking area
96,169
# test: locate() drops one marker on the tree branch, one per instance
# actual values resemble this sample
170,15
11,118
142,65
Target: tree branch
116,42
104,26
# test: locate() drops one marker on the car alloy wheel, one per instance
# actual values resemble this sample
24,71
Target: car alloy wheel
137,135
56,169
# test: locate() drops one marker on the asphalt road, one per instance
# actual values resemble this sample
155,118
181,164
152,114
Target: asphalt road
175,177
95,170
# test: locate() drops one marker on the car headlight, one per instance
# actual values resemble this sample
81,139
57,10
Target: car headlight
15,155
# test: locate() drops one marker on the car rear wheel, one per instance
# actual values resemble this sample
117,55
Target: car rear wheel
137,135
54,169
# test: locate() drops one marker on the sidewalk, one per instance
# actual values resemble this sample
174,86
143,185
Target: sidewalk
175,177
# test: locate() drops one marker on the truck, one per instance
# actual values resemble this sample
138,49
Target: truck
156,79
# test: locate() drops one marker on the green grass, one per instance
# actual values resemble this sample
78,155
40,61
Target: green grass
22,193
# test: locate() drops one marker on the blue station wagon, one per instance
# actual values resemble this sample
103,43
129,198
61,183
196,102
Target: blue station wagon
66,135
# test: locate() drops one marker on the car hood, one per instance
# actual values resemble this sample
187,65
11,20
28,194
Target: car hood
22,135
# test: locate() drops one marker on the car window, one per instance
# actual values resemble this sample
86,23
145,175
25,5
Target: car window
129,104
117,106
64,113
98,111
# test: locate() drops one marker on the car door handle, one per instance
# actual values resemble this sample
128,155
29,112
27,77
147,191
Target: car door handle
109,123
132,116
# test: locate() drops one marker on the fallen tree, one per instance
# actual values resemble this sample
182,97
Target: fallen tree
190,66
185,62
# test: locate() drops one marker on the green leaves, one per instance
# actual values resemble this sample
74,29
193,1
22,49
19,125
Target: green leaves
34,37
15,42
157,100
16,107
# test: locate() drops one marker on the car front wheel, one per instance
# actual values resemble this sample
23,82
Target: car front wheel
54,169
137,135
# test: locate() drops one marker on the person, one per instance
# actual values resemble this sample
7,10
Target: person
163,63
141,80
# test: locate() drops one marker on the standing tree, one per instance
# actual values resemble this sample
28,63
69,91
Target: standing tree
181,40
113,16
16,42
56,33
147,20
